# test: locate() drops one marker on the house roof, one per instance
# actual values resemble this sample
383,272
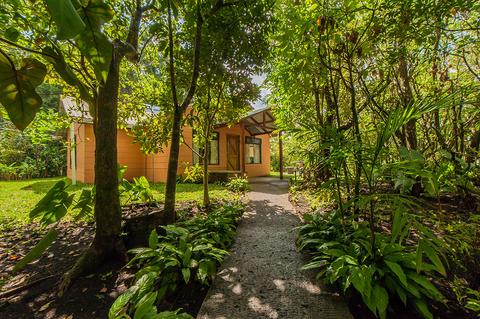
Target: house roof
259,121
256,122
80,113
77,111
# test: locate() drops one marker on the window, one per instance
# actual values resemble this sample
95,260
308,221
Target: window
253,150
214,149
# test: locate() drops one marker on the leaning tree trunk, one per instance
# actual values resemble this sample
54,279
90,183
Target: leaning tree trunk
107,203
407,99
358,139
107,242
474,147
171,186
206,196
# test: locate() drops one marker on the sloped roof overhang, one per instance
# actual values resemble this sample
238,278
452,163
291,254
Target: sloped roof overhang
258,122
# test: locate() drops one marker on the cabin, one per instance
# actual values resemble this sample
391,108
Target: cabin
242,148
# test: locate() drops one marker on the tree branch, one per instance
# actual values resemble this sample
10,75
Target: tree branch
171,58
26,49
196,58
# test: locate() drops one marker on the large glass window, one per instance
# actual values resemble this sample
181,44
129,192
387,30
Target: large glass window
214,150
253,150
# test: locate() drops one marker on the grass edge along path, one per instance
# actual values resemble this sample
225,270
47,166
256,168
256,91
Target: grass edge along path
17,198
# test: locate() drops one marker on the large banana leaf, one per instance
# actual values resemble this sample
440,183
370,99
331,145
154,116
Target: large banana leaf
17,89
92,41
68,21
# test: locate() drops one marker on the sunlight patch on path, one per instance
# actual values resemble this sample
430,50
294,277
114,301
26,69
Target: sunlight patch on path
262,278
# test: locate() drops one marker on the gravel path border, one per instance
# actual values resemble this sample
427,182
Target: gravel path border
262,277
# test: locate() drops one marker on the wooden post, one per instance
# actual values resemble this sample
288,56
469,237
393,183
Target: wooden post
73,146
280,151
241,151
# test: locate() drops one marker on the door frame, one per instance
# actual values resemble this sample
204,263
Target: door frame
237,137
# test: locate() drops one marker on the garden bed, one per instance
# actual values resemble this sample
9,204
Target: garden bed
32,292
452,218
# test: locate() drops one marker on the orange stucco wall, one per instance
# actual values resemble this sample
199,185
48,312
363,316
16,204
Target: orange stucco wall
154,166
252,170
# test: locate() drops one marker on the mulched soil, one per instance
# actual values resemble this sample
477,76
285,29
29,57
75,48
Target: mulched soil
449,209
31,293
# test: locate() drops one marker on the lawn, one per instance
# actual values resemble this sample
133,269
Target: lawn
17,198
285,175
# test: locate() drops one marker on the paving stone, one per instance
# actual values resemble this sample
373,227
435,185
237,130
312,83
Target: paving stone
261,278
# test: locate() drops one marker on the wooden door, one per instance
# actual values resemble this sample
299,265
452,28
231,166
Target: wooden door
233,152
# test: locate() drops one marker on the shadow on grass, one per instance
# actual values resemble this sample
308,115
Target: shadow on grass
42,187
187,188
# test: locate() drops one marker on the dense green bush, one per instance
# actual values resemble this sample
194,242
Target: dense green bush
378,271
193,174
39,151
238,184
189,250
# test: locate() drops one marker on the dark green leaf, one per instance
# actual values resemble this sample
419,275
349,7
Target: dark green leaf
153,239
84,204
422,281
119,305
54,205
17,89
145,305
380,298
92,42
12,34
68,21
98,50
37,250
423,308
186,274
398,271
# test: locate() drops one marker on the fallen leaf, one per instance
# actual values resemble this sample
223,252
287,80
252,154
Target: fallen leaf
104,290
45,306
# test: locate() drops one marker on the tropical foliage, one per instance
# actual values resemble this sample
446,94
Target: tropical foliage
238,184
383,97
189,250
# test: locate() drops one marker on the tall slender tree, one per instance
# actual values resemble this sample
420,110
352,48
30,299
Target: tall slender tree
187,24
86,52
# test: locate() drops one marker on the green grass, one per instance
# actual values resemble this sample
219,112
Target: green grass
17,198
285,175
191,192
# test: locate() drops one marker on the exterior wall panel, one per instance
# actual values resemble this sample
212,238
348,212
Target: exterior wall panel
154,166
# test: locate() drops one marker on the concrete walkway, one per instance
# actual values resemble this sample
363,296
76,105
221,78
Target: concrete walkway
262,277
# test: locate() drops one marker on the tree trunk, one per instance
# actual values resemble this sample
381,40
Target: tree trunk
171,186
474,147
407,99
107,242
358,139
206,196
108,214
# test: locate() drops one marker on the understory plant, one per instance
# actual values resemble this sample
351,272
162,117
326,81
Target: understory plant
343,254
238,184
193,174
58,201
137,190
186,251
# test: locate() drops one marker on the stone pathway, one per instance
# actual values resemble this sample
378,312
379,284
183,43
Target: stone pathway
262,277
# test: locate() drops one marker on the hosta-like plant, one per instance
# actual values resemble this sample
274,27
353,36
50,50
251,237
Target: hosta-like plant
344,256
142,296
189,250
